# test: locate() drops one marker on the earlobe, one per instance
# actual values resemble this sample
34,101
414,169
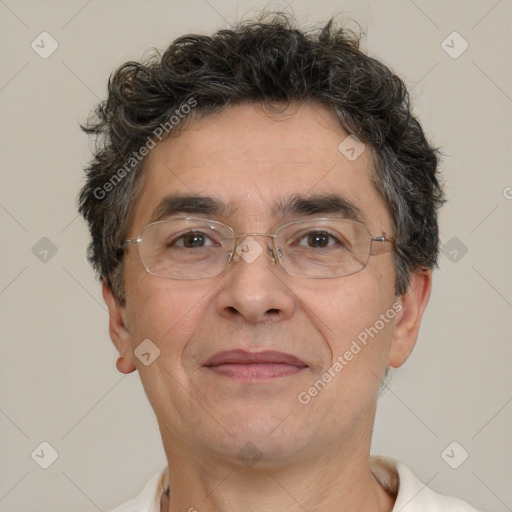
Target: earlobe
118,332
408,319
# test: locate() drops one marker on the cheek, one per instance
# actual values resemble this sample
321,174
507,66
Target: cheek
163,310
350,319
348,314
342,309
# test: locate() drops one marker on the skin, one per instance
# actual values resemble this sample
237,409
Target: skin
310,457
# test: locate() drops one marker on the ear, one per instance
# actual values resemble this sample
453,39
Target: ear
408,318
118,332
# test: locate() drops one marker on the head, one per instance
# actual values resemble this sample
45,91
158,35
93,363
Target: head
250,121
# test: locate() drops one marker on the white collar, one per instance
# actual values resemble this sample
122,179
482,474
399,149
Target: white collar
411,494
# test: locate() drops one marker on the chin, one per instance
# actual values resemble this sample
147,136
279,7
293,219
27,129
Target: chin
259,436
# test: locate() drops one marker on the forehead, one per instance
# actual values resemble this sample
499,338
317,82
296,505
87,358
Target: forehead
253,162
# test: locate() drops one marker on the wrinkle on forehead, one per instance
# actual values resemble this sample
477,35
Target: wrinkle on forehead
251,162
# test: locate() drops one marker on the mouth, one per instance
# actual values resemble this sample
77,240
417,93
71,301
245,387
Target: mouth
243,365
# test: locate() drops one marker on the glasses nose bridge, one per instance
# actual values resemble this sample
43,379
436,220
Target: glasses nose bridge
272,249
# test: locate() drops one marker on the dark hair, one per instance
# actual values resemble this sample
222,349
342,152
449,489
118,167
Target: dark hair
272,62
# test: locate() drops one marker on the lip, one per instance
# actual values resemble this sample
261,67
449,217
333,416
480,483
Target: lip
244,365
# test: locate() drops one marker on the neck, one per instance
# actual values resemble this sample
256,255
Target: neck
337,482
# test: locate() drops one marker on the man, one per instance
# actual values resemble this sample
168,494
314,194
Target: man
263,212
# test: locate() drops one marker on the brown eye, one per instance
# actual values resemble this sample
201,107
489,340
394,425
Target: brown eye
192,240
318,239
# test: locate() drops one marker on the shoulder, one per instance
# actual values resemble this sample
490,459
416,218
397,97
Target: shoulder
415,496
149,499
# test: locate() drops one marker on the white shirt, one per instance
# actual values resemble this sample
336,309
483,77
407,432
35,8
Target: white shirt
411,494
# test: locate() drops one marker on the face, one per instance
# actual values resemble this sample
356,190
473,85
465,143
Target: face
249,161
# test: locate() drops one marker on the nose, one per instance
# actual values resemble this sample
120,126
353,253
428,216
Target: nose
254,287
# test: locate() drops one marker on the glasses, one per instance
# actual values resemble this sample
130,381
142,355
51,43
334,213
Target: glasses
191,248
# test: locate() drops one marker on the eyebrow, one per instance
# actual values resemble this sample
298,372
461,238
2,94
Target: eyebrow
319,204
189,204
303,205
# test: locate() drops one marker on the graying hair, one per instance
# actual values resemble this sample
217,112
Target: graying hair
271,62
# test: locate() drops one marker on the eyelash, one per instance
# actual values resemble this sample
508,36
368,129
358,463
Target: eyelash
302,237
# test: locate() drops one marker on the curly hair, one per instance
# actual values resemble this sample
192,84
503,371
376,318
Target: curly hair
272,62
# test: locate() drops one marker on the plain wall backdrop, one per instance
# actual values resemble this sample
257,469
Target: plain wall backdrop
58,381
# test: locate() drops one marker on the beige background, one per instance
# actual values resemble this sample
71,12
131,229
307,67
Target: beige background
58,382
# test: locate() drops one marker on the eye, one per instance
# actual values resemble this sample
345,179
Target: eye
192,240
317,239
